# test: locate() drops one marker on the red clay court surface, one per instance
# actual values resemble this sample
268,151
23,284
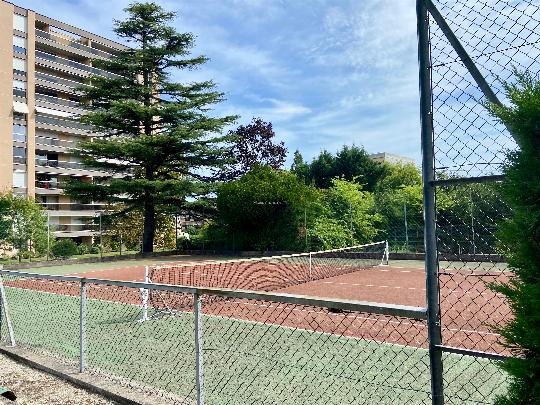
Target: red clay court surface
468,307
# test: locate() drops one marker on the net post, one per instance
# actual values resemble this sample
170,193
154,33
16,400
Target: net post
386,254
82,328
310,266
144,296
4,308
199,372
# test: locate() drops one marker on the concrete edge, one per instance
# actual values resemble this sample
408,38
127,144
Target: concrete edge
91,383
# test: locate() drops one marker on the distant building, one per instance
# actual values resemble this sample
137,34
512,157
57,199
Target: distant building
390,158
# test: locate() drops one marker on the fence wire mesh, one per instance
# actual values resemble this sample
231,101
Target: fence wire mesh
470,148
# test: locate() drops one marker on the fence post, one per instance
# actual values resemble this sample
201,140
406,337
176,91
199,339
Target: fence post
199,371
145,293
82,328
310,266
428,176
4,308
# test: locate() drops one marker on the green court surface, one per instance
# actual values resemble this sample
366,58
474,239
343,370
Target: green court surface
244,362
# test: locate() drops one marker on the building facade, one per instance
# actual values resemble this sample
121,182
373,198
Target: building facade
42,62
390,158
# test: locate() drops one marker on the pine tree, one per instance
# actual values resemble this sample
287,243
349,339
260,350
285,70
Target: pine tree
521,237
160,141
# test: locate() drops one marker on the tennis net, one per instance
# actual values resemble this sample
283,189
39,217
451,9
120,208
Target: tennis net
268,273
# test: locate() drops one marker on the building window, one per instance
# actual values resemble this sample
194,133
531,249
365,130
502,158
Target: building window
19,152
19,116
19,133
19,66
19,179
19,22
19,44
19,84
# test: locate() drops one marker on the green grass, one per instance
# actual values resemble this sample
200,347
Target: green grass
244,362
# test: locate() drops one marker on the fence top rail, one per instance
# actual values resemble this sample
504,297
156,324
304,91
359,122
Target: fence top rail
266,258
402,311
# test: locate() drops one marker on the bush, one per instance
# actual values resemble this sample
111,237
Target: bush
64,248
82,249
95,249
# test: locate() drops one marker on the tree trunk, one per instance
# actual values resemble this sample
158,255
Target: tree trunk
149,227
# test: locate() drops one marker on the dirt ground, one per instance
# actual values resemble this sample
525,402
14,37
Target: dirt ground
33,387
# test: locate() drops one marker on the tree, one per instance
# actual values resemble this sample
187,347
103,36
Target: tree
520,235
399,200
265,209
350,163
253,145
26,229
347,217
158,137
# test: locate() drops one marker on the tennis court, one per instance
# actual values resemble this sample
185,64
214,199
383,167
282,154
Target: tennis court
338,275
256,348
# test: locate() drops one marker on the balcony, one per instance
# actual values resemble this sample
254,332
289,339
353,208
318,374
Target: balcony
62,125
58,101
66,168
76,68
19,160
54,144
48,187
71,209
70,46
74,230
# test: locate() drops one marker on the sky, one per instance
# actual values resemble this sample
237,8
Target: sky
324,72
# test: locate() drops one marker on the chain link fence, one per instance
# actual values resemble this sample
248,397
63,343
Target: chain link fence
234,346
467,50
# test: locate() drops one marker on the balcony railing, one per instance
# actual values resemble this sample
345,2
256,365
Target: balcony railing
19,159
43,119
58,80
70,206
61,164
74,227
55,142
74,44
57,100
73,64
47,184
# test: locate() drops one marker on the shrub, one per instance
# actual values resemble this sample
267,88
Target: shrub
64,248
82,249
521,237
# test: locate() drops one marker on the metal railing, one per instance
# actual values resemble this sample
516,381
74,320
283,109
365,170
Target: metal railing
40,140
73,64
57,100
60,164
43,119
74,44
304,346
58,206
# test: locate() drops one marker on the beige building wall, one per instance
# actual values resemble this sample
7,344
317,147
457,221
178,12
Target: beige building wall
6,97
31,102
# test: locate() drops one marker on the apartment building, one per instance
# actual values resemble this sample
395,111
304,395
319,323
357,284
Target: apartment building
42,62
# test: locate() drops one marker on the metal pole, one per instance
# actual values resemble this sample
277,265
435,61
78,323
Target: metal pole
310,266
305,227
5,309
48,235
176,231
82,328
120,242
406,225
100,238
199,372
428,175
